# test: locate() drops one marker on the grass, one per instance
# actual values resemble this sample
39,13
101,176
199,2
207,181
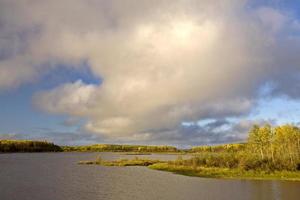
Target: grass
199,171
122,162
227,173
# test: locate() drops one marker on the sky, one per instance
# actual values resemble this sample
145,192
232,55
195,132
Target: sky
181,73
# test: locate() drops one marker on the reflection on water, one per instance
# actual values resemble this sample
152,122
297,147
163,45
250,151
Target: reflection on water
56,176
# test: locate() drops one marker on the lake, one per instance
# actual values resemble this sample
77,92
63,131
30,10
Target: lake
57,176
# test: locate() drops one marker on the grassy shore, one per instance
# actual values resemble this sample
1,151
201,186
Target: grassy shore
226,173
198,171
122,162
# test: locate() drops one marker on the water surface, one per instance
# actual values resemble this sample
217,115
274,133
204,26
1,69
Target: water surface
57,176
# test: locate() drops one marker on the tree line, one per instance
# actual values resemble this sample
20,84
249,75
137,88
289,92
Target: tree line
279,146
120,148
28,146
219,148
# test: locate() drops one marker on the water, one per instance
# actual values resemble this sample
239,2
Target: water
57,176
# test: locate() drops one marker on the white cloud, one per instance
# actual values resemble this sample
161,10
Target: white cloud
161,62
72,98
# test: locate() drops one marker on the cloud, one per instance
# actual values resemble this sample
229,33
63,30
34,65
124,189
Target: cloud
183,136
216,131
161,62
72,98
72,121
272,19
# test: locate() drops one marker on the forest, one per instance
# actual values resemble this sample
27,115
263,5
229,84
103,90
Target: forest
27,146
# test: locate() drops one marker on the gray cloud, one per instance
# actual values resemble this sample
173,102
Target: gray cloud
162,62
218,131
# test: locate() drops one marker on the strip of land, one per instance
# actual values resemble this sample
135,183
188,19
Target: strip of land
178,167
226,173
121,162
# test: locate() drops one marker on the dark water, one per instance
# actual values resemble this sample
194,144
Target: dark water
56,176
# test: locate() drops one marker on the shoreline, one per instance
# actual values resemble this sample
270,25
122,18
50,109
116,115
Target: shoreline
225,173
199,171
